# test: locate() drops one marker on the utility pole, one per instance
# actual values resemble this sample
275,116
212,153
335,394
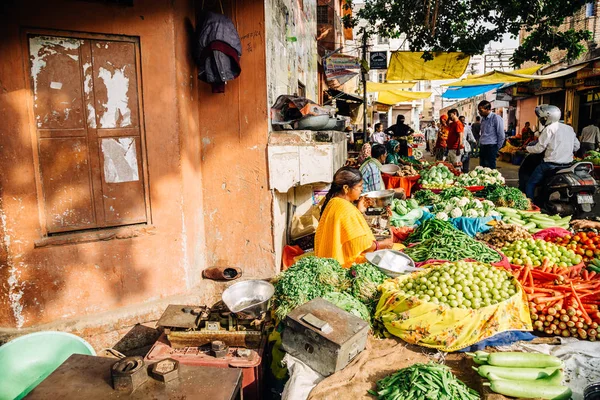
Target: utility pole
363,70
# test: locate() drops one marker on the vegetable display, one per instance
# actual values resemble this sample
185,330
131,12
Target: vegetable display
461,284
535,252
454,191
480,176
407,170
437,177
522,375
309,278
586,244
463,207
346,302
410,219
505,196
531,220
503,234
423,381
562,301
425,197
593,157
452,247
366,278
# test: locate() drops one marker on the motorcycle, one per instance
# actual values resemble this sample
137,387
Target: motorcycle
566,191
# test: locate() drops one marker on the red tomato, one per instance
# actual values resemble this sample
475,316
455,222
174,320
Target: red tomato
589,242
576,238
597,252
567,237
589,253
580,251
591,235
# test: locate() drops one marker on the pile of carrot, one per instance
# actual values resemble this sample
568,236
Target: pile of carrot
562,301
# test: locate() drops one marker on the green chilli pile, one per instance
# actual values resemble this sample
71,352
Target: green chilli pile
423,381
450,245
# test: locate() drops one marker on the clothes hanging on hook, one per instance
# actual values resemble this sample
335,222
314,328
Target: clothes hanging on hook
219,50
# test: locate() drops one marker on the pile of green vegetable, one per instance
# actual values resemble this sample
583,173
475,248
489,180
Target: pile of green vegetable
403,207
522,375
452,246
423,381
504,196
456,207
533,221
425,197
461,284
593,157
454,191
354,290
534,252
437,177
431,228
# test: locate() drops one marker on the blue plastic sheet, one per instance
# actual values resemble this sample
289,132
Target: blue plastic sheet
501,339
463,92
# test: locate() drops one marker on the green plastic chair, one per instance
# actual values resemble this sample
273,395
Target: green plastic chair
28,360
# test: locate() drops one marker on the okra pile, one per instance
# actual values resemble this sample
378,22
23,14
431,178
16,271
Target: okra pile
423,381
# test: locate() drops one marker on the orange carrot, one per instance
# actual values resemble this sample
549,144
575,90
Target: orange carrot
539,300
587,318
591,275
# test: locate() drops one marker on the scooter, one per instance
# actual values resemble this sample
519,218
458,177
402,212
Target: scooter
565,191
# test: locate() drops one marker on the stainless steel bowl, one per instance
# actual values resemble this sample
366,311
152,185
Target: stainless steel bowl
313,122
380,198
248,299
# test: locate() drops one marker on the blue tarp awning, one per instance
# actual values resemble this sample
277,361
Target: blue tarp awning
463,92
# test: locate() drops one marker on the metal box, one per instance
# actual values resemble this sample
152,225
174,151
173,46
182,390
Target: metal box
324,336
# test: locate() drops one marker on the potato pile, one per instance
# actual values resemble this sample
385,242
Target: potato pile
407,170
503,234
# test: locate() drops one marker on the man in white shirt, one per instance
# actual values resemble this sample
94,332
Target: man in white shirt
468,142
557,140
590,137
379,136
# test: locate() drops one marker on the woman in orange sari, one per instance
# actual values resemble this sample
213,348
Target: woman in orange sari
440,144
343,232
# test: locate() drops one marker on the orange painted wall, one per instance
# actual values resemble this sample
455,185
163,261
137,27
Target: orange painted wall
234,133
39,285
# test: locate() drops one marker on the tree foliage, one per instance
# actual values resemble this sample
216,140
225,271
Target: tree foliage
469,25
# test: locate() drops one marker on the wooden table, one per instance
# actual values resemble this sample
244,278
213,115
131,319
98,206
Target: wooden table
88,377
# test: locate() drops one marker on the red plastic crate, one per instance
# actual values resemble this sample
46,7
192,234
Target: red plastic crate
251,365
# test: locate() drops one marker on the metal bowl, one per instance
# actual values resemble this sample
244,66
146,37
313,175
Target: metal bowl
393,263
313,122
391,169
248,299
380,198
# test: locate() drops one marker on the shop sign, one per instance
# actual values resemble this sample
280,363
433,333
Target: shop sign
592,96
592,82
338,62
378,60
574,82
548,84
381,107
519,91
587,72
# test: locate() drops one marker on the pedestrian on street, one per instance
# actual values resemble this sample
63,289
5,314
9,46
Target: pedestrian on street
430,136
469,143
379,136
590,137
476,128
492,135
442,137
371,169
455,137
400,132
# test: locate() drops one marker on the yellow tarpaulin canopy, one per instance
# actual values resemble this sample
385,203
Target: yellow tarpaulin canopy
374,87
490,78
399,96
410,66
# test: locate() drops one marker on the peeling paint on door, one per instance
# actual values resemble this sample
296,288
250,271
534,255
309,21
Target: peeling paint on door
117,112
120,160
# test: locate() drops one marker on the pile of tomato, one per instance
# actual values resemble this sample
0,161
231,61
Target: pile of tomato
586,244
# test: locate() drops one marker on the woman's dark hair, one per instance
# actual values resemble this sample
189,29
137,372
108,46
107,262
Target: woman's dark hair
343,176
378,150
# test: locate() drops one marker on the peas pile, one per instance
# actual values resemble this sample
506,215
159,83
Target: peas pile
534,252
461,284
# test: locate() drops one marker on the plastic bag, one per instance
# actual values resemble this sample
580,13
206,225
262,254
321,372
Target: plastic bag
443,328
551,233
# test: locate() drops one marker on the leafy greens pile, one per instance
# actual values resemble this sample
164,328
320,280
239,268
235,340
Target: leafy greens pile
426,197
346,302
503,196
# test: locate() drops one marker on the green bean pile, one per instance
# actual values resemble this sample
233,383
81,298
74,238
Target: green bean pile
431,228
452,246
423,381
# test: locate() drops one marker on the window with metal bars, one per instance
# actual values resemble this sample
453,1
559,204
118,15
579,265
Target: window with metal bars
322,14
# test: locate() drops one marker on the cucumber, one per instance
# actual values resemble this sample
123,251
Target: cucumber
521,360
514,221
566,219
529,225
539,375
530,389
555,217
507,210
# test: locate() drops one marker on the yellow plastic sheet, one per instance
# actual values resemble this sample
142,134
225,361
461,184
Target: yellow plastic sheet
410,66
399,96
374,87
443,328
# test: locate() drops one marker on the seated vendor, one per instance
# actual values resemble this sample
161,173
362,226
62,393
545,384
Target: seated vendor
371,169
393,149
343,232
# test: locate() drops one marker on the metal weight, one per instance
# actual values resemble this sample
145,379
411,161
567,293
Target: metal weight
128,374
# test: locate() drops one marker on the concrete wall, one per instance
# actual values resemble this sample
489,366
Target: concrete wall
56,282
290,61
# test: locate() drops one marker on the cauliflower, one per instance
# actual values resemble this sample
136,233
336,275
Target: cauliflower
476,203
441,216
488,203
472,213
463,202
480,213
449,207
493,214
455,213
473,173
